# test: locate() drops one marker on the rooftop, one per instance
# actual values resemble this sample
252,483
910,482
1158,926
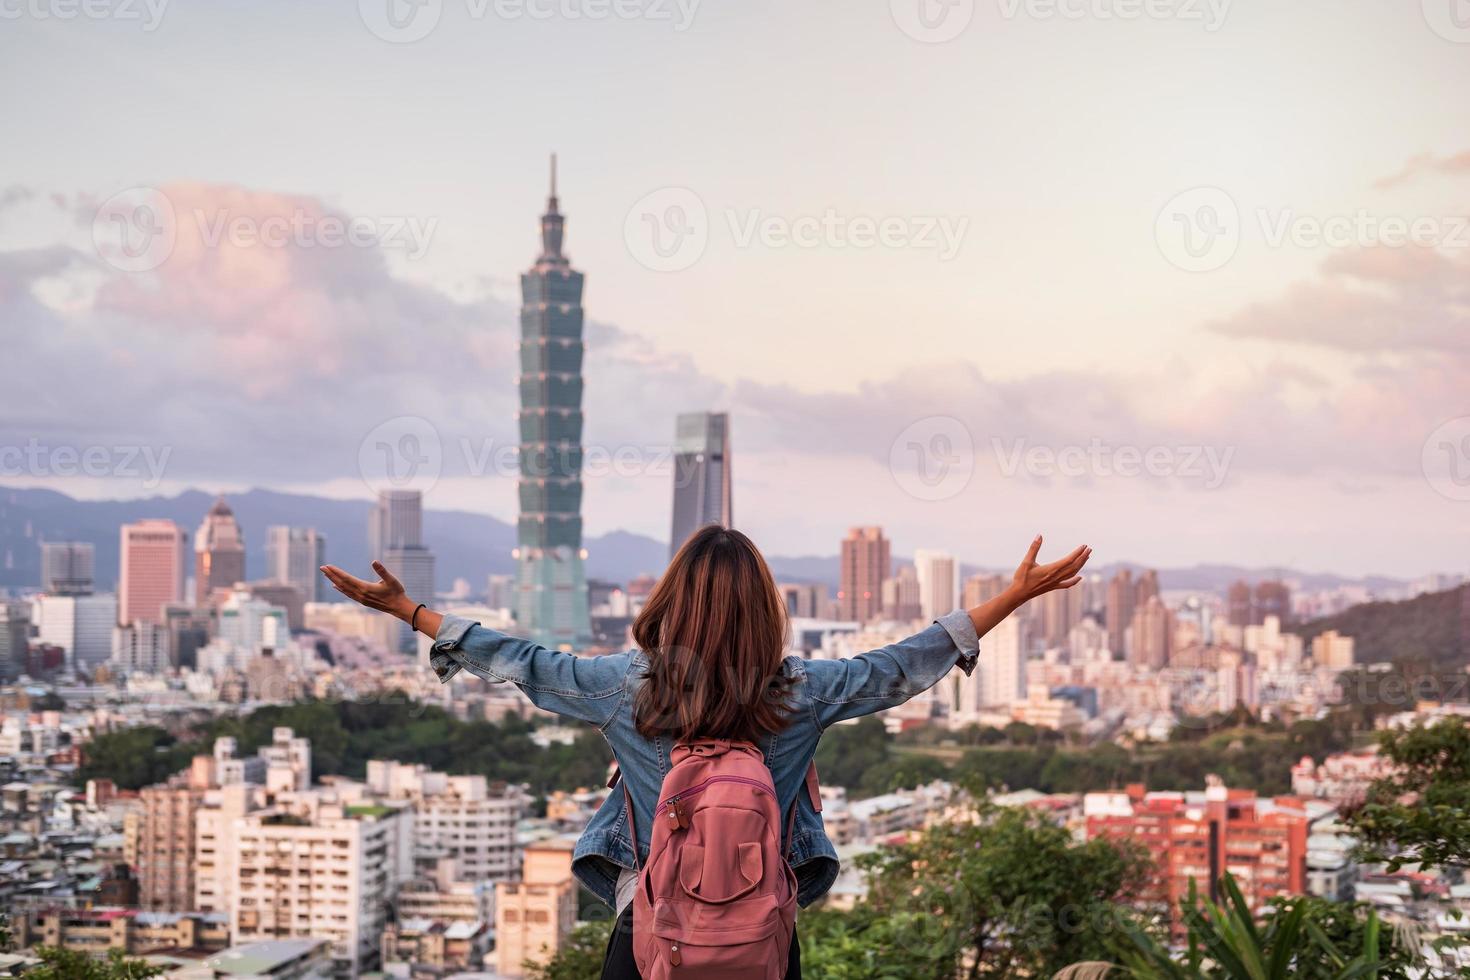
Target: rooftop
262,957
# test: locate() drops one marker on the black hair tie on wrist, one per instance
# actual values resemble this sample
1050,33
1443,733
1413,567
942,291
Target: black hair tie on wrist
413,622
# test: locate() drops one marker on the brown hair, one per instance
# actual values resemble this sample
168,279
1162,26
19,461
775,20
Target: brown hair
714,629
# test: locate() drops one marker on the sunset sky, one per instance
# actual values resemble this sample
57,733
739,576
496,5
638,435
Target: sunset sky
1101,230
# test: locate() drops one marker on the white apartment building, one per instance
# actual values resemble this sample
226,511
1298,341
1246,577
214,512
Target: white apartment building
321,865
459,817
141,647
939,582
999,678
79,624
237,787
250,624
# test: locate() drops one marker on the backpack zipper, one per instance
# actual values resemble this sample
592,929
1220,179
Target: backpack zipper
700,787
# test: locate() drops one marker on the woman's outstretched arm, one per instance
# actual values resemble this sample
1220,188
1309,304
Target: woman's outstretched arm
884,678
586,688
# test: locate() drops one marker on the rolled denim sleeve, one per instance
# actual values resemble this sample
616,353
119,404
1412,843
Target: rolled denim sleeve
889,676
586,688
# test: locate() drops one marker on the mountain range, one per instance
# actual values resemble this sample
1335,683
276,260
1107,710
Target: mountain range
466,545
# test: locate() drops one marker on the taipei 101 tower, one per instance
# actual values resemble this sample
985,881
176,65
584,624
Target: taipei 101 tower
551,585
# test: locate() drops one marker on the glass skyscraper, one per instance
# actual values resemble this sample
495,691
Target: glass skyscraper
551,583
701,475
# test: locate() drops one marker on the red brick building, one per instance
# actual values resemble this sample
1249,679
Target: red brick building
1200,836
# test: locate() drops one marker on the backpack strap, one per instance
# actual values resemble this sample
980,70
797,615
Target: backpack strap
814,792
612,783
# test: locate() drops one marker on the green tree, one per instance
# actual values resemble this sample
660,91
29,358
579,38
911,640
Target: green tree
1420,814
1010,894
580,957
131,757
847,752
66,964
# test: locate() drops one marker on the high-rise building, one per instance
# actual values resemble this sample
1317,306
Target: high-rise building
395,529
396,521
165,841
1238,604
15,628
1272,599
140,648
804,601
293,556
500,591
1247,606
701,475
79,624
866,563
288,597
1145,586
939,582
219,553
903,595
68,567
1060,610
151,570
551,602
999,678
980,589
1122,596
1152,634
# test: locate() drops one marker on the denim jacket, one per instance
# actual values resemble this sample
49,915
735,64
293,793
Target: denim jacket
601,690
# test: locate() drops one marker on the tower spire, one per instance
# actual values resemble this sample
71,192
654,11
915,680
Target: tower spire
552,222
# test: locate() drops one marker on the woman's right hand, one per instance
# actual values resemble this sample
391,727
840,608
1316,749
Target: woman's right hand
386,594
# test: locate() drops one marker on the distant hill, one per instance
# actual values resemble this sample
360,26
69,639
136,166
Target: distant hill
465,545
1434,627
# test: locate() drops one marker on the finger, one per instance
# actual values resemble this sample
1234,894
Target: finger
336,576
1033,551
348,582
1073,563
386,575
1070,582
1062,565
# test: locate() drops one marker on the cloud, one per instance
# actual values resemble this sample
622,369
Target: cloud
1424,164
268,363
1370,300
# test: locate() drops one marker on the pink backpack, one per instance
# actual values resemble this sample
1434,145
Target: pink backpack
717,897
